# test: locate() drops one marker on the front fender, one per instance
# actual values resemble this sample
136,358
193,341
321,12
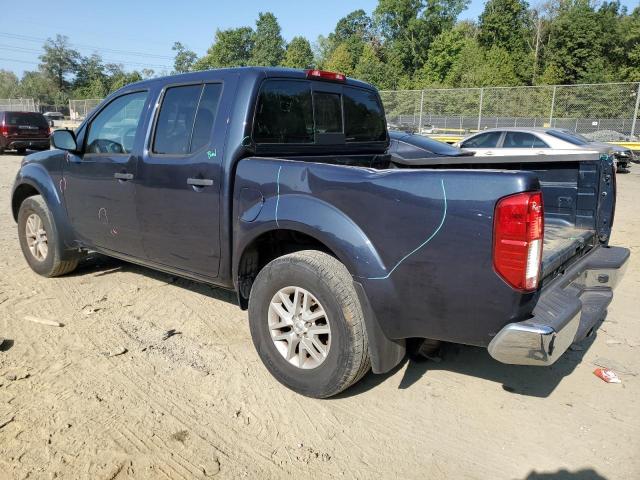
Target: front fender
50,185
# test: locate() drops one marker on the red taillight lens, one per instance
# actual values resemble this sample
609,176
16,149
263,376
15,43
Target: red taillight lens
4,129
518,231
324,75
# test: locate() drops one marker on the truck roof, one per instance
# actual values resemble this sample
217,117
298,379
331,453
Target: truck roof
257,72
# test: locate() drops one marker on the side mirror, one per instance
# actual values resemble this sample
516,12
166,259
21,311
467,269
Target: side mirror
64,140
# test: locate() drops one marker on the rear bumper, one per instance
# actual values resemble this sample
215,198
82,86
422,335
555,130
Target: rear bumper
567,310
32,143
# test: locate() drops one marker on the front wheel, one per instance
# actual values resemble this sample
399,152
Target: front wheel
307,324
41,247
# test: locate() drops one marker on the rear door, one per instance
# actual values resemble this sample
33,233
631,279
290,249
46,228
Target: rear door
178,190
523,143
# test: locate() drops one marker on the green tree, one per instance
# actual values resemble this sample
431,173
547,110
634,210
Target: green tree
184,59
231,48
506,24
340,60
478,67
444,53
298,54
9,84
630,46
59,60
409,26
371,68
575,42
41,87
268,44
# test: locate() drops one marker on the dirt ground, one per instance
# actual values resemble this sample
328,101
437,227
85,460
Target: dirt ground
200,403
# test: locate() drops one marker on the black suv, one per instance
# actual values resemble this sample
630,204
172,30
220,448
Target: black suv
22,130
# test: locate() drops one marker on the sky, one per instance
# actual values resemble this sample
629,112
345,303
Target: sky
139,33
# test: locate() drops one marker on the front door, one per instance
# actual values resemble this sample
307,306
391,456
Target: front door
178,189
100,180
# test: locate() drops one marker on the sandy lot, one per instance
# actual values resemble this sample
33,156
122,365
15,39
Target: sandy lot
200,403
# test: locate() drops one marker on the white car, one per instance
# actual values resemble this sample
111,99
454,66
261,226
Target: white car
511,141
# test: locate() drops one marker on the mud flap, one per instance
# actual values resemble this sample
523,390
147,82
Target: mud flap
385,353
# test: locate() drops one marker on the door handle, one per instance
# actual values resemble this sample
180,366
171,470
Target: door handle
123,176
200,182
488,153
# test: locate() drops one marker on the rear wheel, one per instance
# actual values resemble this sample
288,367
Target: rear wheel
41,247
307,324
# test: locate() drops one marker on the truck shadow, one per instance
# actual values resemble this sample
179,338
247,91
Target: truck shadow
462,359
476,362
97,265
585,474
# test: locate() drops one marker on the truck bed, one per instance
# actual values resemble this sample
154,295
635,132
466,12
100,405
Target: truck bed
561,244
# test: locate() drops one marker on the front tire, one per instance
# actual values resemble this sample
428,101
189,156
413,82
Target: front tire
39,241
307,324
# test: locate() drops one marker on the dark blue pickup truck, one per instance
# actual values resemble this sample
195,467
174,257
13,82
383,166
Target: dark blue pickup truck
278,184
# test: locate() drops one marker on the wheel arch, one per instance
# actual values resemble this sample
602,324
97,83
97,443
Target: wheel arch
34,179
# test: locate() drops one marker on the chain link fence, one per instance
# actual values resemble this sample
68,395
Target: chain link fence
18,104
79,109
606,112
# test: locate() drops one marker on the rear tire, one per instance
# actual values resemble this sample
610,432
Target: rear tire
41,246
327,286
21,151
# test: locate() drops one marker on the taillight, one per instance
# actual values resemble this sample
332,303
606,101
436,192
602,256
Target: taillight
324,75
518,231
4,129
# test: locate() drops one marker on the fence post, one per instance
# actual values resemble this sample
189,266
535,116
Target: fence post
635,112
420,117
553,104
480,109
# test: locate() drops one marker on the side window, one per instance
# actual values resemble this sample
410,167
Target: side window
284,113
114,128
327,109
485,140
175,121
206,116
522,140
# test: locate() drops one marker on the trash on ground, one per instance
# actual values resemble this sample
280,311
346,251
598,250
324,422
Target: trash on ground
170,333
116,351
614,365
43,321
607,375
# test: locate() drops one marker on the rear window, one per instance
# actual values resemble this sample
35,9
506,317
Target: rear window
288,112
414,146
26,118
363,116
284,113
567,137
